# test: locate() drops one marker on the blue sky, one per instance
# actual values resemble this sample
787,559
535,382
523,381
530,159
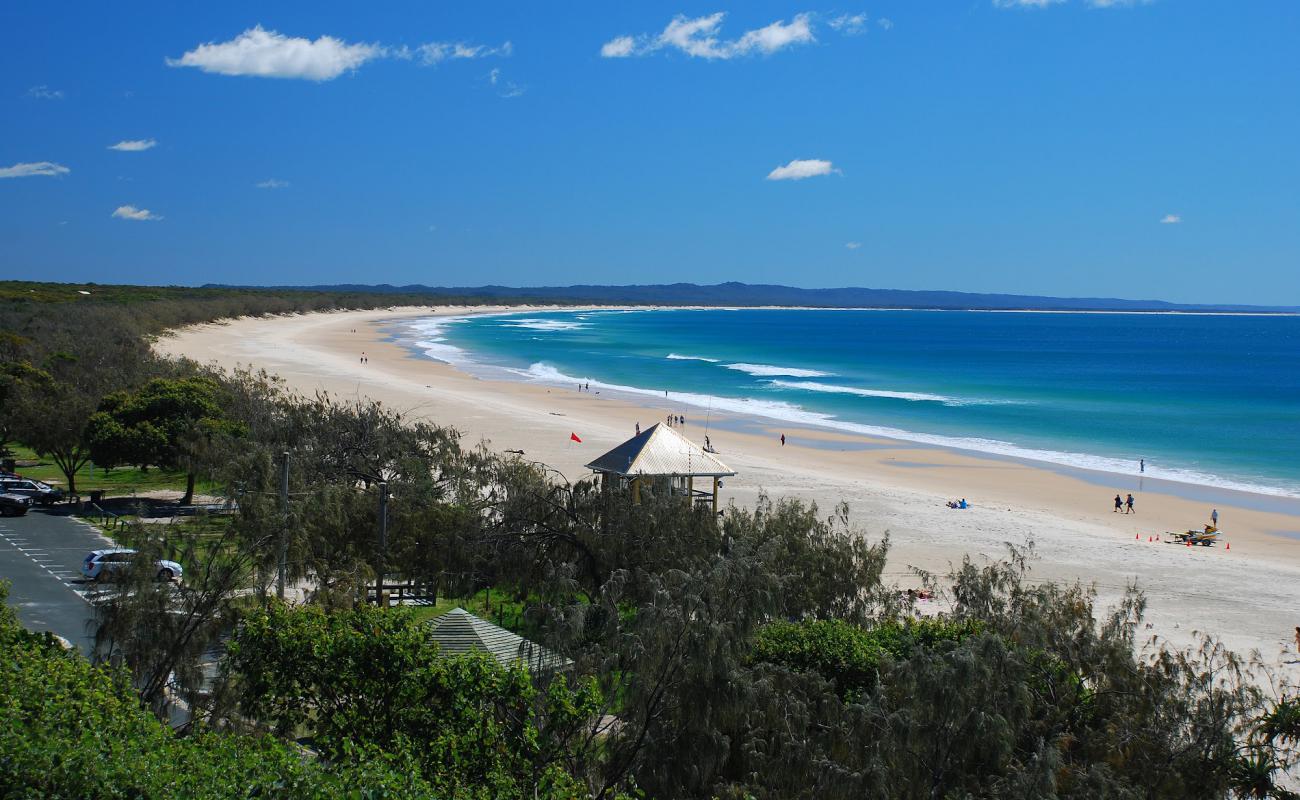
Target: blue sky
1142,150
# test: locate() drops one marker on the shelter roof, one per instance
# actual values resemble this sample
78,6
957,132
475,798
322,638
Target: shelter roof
660,450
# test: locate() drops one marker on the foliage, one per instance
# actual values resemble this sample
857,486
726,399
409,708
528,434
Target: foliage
372,679
68,729
169,422
848,656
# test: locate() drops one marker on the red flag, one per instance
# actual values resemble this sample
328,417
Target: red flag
575,438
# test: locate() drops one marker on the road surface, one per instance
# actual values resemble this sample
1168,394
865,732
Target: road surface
40,556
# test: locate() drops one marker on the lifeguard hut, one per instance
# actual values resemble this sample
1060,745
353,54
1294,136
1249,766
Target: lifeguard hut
661,462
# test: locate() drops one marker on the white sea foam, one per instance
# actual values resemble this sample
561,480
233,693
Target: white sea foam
545,324
680,357
916,397
431,338
767,371
789,412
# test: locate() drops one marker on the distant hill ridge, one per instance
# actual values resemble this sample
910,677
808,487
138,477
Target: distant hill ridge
745,294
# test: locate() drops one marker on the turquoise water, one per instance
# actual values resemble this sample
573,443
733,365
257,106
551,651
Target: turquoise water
1211,400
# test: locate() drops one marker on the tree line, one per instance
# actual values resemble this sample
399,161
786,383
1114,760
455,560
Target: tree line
762,655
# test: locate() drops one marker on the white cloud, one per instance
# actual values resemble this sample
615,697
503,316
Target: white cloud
133,213
437,52
853,245
1171,219
44,92
268,54
133,145
885,23
28,170
801,168
620,47
272,183
849,24
698,37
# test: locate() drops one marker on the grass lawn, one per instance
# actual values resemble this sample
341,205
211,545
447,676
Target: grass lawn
494,606
115,482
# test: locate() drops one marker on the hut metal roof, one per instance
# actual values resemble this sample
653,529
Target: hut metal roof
660,450
458,632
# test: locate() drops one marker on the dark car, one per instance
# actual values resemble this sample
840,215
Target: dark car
40,493
14,505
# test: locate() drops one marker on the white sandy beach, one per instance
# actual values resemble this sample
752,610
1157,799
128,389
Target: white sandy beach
1248,595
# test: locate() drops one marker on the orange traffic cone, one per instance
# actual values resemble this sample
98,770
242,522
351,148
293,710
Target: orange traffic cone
1137,536
1227,546
1189,542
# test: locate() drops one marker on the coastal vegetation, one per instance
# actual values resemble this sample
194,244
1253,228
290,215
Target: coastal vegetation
760,655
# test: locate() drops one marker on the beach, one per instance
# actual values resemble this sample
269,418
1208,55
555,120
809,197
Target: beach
1248,594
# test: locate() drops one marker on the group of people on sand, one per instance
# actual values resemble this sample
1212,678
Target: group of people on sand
1124,506
962,504
585,387
675,420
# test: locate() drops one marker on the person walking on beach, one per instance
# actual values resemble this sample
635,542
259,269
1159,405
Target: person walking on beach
638,429
1119,504
783,440
1128,504
1214,517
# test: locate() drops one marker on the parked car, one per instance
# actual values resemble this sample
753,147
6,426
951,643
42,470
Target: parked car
41,493
14,505
105,565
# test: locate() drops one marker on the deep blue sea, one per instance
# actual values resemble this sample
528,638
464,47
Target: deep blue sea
1204,399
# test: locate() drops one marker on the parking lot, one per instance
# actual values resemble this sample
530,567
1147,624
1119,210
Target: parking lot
40,556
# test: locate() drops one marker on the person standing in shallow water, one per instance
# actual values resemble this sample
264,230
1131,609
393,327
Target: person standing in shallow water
783,440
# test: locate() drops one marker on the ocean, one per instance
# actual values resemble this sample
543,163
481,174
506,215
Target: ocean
1212,400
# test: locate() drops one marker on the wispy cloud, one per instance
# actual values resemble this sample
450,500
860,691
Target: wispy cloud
853,245
272,183
505,88
133,213
133,145
801,168
849,24
885,23
44,92
698,37
1171,219
436,52
32,169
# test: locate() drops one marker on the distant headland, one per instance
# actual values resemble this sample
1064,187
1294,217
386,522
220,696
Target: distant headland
752,295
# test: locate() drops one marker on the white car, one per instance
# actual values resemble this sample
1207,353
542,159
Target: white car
104,565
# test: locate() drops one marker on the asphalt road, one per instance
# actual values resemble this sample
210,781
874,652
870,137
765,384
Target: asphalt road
40,556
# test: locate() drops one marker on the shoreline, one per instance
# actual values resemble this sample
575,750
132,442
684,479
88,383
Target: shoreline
1100,470
1248,595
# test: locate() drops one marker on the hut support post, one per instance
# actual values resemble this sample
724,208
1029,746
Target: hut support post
715,497
636,490
690,489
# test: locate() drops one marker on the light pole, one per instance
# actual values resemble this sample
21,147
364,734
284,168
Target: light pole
383,543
